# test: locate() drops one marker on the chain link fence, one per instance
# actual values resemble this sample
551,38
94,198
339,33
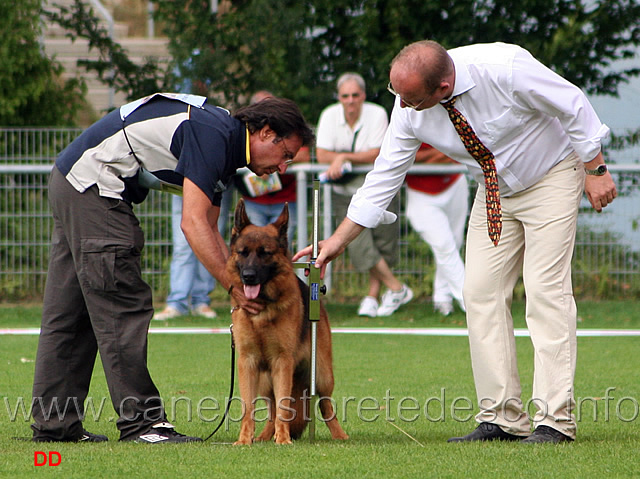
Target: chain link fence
606,261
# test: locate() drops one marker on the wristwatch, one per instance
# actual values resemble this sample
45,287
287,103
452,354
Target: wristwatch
599,171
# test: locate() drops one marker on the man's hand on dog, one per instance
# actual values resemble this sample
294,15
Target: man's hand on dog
251,306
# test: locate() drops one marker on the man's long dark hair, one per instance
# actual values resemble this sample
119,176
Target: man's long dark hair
282,115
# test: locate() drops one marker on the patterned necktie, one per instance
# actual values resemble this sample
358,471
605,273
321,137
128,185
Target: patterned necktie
485,158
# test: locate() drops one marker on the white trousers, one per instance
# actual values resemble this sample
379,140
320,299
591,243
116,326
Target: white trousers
440,220
538,236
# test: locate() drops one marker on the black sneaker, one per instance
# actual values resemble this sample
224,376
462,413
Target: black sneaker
486,431
546,434
90,437
164,432
86,437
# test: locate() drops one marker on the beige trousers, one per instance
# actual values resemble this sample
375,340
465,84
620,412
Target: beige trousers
538,236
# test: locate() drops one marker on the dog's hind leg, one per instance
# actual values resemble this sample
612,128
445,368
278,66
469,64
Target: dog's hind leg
325,382
267,432
329,417
269,426
300,405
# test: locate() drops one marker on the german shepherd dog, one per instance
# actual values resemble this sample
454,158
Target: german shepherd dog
274,346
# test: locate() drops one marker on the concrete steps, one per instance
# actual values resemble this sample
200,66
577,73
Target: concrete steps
60,47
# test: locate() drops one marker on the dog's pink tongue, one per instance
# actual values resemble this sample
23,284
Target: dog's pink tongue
251,292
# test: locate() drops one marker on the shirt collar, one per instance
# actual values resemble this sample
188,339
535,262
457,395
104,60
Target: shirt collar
343,119
463,81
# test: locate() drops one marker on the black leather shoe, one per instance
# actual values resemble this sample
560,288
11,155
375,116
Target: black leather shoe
547,434
487,432
86,437
90,437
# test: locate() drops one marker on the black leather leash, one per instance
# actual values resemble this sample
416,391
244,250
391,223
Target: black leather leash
233,361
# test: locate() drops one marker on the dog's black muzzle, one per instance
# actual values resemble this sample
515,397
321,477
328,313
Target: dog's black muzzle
250,276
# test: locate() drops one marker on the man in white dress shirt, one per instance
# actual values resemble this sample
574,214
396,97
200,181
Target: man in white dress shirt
545,136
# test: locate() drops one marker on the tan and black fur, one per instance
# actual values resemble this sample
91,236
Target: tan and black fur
273,346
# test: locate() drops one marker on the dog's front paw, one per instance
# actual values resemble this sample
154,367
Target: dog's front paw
341,436
243,442
282,438
283,441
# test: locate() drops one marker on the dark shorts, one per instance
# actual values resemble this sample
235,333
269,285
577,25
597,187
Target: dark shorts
373,243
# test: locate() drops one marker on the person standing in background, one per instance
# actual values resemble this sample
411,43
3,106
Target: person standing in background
190,284
437,209
351,131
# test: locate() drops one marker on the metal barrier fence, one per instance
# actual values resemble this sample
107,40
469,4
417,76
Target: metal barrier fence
606,260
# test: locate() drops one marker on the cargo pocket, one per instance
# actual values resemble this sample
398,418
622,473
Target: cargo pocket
99,263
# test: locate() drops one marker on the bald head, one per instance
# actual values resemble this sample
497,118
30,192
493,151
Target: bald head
426,58
422,69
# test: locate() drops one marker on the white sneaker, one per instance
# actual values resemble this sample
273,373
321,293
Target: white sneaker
443,308
167,313
392,300
205,311
368,307
462,306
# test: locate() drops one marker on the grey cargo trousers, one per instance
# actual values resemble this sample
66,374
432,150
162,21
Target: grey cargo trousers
95,300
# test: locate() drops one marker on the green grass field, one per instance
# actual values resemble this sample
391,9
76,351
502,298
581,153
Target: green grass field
398,397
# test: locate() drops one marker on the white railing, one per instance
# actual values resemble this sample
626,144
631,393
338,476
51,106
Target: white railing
606,260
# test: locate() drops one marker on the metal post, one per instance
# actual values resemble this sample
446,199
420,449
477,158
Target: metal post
314,305
314,308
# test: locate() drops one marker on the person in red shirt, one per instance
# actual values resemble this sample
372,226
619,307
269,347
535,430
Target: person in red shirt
437,209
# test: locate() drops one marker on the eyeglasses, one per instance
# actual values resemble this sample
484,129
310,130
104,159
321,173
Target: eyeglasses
287,152
406,103
344,96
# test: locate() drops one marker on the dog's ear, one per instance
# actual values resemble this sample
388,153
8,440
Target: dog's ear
241,220
281,225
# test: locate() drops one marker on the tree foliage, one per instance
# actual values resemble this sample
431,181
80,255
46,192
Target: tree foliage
32,92
113,66
297,48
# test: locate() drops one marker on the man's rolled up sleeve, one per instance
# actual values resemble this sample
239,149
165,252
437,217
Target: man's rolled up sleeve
365,213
